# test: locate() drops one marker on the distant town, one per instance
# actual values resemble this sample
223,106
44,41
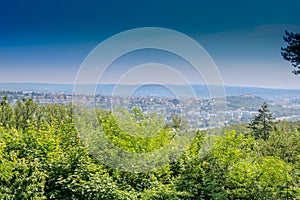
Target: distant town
201,112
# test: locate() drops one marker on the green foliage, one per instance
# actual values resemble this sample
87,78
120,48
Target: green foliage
236,102
43,157
291,53
6,112
262,123
135,132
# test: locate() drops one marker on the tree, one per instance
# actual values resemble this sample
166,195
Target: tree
261,124
24,111
291,53
6,112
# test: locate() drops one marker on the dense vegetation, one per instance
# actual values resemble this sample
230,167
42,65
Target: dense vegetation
43,157
291,52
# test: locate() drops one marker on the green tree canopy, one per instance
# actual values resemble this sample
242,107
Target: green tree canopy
43,156
262,123
291,52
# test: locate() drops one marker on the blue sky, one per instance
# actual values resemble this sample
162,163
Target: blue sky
46,41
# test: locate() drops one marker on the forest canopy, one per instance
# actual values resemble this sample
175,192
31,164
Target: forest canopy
42,156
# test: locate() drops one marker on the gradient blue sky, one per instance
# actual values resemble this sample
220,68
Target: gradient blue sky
46,41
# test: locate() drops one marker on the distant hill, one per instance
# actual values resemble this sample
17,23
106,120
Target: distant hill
245,101
201,91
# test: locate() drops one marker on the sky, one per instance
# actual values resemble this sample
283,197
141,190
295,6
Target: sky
47,41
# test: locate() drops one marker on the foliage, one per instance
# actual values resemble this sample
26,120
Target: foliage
261,125
250,102
43,157
291,53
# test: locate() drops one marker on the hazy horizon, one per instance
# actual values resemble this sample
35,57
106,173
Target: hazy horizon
72,84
